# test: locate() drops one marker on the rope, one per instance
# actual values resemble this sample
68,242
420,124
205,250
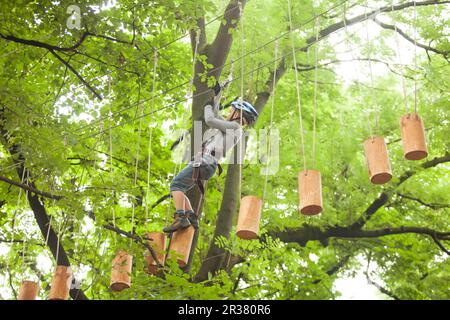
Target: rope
369,43
399,59
271,121
252,62
13,231
229,79
297,87
242,141
347,44
48,228
113,209
75,251
57,243
315,91
24,238
155,63
135,175
415,58
241,13
358,86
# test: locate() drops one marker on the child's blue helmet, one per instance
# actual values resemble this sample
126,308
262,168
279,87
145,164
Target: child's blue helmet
248,111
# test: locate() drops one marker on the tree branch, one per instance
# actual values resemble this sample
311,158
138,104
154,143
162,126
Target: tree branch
404,35
433,206
50,47
308,233
73,48
381,289
21,241
77,74
303,68
136,238
28,188
334,269
369,15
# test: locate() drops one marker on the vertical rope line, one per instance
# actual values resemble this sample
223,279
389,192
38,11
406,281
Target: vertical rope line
415,58
18,204
57,242
229,79
241,14
347,41
369,44
297,86
24,236
271,118
242,141
399,61
48,228
252,61
111,168
23,256
75,251
136,173
14,219
315,90
155,62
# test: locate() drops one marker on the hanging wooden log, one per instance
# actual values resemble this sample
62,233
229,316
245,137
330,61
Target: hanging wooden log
180,245
28,290
249,217
121,271
310,192
413,137
62,279
377,160
156,240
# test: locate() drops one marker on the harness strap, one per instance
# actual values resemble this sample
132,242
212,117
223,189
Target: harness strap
196,177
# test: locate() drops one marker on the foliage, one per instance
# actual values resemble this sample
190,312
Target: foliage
64,134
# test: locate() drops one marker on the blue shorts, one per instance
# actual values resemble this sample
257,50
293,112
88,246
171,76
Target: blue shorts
183,181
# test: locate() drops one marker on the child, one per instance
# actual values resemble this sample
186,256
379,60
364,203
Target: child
222,136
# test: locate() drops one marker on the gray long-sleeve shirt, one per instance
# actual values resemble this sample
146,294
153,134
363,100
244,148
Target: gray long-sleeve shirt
222,134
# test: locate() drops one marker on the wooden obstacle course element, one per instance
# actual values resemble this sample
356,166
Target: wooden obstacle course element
413,137
29,290
156,240
377,160
249,218
181,244
121,271
310,192
61,282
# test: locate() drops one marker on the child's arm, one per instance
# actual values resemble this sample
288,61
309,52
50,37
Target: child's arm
216,122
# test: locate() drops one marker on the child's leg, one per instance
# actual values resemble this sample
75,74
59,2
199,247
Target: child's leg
179,185
180,201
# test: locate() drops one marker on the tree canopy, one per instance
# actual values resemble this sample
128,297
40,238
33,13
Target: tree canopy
92,115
